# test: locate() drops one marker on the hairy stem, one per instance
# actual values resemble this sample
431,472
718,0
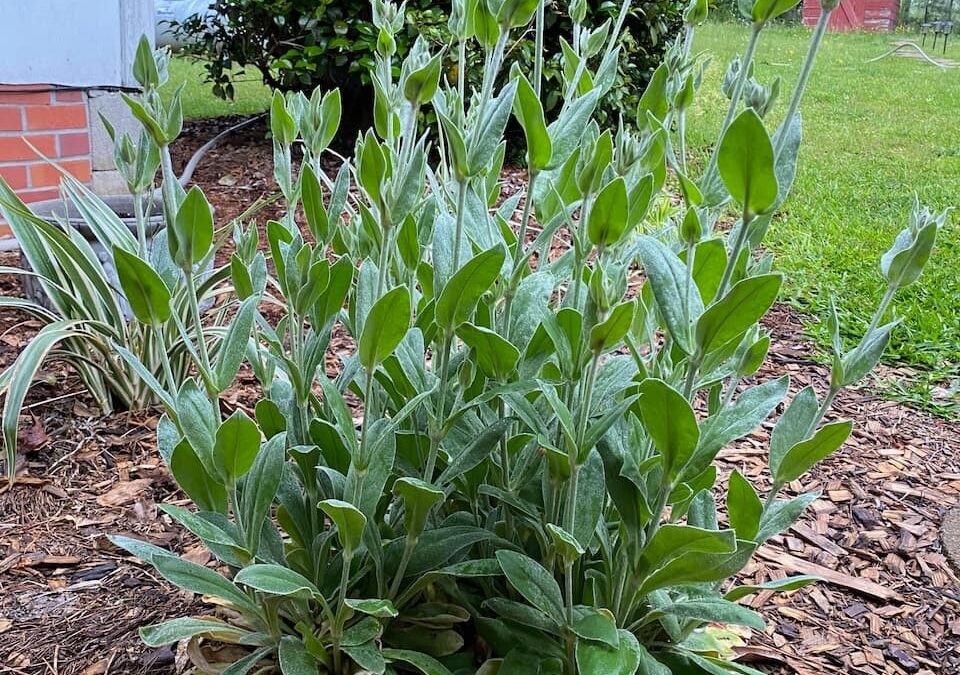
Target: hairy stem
737,93
141,225
491,71
338,624
462,74
402,568
518,256
168,186
815,41
435,437
538,48
615,33
738,245
586,401
194,303
165,359
881,308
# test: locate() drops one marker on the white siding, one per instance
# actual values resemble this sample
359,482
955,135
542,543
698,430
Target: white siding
80,43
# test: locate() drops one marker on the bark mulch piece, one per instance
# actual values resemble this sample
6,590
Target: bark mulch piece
70,602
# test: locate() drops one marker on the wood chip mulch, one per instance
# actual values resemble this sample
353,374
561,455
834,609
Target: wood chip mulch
70,602
890,602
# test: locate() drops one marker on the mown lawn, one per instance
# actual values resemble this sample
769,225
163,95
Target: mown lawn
874,133
250,96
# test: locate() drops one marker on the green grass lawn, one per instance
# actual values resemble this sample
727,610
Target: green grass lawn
874,133
251,95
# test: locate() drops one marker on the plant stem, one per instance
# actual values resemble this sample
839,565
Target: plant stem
235,510
409,135
290,216
742,77
194,303
504,455
165,359
458,231
688,39
881,308
738,245
615,33
505,469
447,344
771,496
518,255
682,139
682,113
141,225
491,72
341,597
383,260
402,568
693,367
436,436
168,186
462,74
571,92
822,410
538,48
618,593
657,513
731,390
815,41
568,587
584,414
585,208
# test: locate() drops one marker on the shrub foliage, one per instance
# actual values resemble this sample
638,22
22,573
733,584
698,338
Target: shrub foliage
299,45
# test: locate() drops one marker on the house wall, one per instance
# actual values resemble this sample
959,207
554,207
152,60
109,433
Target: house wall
61,63
55,122
77,43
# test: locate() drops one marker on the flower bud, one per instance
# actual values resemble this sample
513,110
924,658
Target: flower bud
690,229
578,11
696,12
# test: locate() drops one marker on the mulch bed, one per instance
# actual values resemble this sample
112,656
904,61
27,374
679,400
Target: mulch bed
70,602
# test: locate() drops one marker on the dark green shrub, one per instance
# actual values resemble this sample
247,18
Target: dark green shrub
298,45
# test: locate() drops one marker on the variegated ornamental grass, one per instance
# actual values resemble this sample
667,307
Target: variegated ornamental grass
532,486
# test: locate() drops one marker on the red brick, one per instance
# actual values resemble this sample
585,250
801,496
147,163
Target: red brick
74,144
25,97
13,148
44,174
69,96
11,118
56,117
25,87
16,176
30,196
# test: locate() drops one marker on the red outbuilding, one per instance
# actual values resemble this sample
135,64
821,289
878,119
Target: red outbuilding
878,15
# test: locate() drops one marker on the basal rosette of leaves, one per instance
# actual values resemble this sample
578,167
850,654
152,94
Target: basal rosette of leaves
530,486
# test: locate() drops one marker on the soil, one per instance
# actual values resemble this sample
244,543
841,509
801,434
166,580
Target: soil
71,603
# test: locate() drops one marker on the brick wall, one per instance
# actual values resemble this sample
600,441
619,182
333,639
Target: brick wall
53,120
